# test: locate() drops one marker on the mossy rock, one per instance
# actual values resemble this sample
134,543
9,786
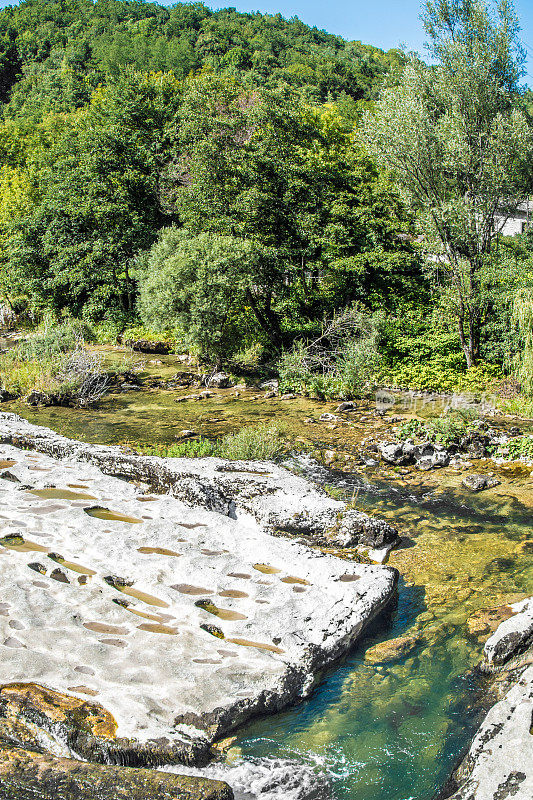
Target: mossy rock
26,774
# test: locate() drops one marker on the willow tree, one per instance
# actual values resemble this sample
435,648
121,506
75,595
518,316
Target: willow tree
454,137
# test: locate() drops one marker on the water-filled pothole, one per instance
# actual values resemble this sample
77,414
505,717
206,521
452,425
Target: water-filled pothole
111,516
61,494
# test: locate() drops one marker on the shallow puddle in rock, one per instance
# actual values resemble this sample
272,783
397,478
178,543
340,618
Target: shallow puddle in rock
22,545
266,569
292,579
5,464
61,494
102,627
191,525
259,645
149,599
156,628
222,613
71,565
187,588
232,593
160,551
111,516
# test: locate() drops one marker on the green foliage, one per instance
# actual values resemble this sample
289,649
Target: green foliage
421,352
446,430
260,443
456,140
341,363
54,54
518,448
199,286
56,364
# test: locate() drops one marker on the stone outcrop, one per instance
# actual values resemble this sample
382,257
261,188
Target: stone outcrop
277,499
512,637
29,774
170,618
499,764
144,346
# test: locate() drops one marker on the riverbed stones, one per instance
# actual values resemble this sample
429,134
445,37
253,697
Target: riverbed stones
153,648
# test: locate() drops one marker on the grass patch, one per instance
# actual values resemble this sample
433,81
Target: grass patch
264,442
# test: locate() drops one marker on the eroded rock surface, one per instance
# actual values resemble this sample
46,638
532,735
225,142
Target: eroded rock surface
178,615
275,498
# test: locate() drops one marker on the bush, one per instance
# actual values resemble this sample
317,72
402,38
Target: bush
341,363
444,430
201,287
55,364
519,448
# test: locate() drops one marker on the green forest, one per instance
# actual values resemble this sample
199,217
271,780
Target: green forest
262,193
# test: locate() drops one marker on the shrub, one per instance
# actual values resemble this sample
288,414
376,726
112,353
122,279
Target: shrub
55,363
444,430
518,448
341,363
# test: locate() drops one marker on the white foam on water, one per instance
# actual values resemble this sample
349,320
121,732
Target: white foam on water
264,778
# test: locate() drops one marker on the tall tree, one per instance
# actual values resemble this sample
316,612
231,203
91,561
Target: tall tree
455,139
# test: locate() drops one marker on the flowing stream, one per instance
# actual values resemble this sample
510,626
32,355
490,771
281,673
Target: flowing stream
374,728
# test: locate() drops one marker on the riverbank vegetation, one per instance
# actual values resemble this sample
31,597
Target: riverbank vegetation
246,189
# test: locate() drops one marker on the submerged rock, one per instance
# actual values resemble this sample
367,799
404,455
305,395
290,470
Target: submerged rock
392,650
477,483
27,774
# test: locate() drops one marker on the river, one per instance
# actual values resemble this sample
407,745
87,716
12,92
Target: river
375,729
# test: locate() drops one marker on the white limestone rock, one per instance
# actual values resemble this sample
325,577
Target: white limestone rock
273,496
499,764
140,644
512,636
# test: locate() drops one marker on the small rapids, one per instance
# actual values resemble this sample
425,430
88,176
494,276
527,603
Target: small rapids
265,778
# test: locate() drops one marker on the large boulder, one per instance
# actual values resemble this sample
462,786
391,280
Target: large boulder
220,380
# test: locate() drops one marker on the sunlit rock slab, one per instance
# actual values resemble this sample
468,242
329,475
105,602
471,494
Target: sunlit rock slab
141,643
271,495
500,760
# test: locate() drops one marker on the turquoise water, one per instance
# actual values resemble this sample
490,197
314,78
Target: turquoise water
395,731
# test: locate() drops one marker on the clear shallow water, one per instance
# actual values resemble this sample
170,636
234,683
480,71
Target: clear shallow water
394,731
373,731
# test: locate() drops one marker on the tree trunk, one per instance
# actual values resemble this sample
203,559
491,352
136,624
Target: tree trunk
267,320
